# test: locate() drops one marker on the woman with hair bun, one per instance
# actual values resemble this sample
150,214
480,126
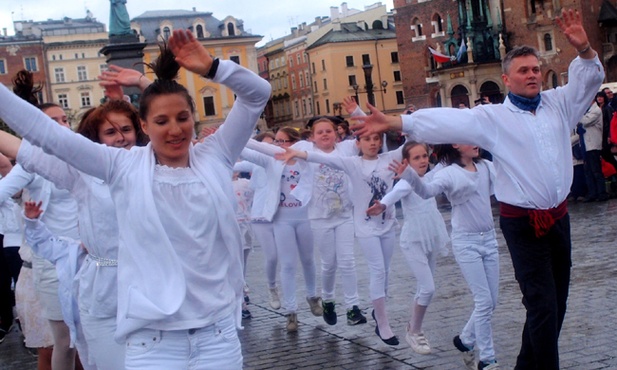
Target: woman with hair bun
179,258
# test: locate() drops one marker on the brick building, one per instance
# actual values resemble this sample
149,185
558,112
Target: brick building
22,52
488,28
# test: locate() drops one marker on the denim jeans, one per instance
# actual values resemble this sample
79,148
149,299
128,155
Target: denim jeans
214,346
478,257
542,269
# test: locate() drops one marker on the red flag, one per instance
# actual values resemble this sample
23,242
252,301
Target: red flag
439,57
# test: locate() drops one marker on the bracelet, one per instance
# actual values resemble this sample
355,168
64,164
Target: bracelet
586,49
212,72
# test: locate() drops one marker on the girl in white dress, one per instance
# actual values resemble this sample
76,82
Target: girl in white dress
179,260
468,183
423,237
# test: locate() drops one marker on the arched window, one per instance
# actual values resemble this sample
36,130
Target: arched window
491,89
417,26
200,31
551,79
437,23
166,32
548,42
231,30
459,95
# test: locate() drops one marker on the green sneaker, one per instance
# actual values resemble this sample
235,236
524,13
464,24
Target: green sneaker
355,317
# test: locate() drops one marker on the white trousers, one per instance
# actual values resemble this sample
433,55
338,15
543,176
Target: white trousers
478,257
378,252
104,351
423,269
294,238
215,346
264,233
335,239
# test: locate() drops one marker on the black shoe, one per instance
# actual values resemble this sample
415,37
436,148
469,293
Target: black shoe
355,317
392,341
329,314
488,365
246,314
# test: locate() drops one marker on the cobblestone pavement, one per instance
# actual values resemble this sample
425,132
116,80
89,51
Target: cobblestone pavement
588,339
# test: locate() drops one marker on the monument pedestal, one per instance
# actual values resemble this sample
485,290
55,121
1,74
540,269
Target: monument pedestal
125,51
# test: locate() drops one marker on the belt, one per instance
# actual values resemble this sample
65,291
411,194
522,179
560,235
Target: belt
103,262
540,219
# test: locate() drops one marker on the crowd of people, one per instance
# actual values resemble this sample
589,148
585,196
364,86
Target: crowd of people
135,191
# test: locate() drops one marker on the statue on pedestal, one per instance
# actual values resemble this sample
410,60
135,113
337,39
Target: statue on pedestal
119,21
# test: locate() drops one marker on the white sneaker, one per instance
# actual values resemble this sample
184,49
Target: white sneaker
315,304
418,343
275,302
292,322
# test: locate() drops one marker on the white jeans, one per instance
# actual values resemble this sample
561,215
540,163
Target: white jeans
478,257
335,239
294,238
378,252
423,268
265,237
102,348
215,346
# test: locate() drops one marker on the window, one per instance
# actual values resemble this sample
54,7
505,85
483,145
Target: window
298,59
548,42
310,106
83,55
103,68
352,80
283,61
59,74
60,56
325,84
296,109
85,99
82,75
301,79
53,57
416,28
327,105
366,59
315,84
400,99
76,56
306,80
293,81
166,33
437,25
313,67
318,108
291,62
397,76
209,106
200,31
323,65
63,101
304,107
231,30
30,64
2,66
394,56
285,85
349,60
235,59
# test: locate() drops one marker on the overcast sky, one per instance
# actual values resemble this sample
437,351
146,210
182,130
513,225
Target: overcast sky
271,19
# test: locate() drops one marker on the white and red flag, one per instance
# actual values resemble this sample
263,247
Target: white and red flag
439,57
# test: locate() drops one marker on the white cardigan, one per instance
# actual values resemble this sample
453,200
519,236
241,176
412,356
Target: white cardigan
151,284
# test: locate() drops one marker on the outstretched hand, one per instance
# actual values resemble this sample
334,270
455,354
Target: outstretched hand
189,53
32,209
376,209
398,167
571,26
375,123
289,155
349,104
127,77
113,91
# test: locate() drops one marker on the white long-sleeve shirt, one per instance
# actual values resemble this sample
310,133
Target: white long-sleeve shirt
531,152
152,279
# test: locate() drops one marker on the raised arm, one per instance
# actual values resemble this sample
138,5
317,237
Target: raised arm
265,148
427,188
256,157
34,126
9,144
252,92
39,238
14,182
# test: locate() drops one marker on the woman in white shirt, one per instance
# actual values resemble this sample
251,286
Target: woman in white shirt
179,260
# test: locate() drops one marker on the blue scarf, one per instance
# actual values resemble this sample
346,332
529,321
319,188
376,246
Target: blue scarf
527,104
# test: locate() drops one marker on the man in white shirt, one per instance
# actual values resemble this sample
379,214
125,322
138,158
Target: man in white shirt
529,137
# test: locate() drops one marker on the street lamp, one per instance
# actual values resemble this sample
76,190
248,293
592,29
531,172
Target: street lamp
369,88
